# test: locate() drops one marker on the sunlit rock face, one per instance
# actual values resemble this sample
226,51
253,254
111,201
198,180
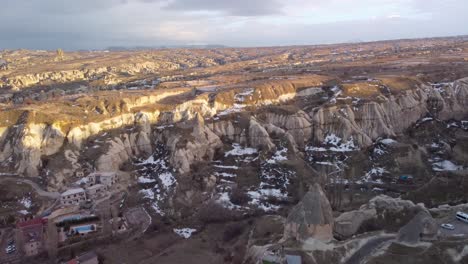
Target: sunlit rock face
28,139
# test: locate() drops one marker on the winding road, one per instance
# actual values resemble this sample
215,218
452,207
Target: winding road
368,248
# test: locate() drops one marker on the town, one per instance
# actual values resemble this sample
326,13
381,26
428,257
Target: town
91,210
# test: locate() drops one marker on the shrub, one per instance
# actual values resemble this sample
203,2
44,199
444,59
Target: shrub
239,197
232,231
213,212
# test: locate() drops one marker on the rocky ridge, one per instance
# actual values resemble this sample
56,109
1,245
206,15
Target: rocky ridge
134,123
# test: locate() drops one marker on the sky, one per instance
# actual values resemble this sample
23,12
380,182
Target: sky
98,24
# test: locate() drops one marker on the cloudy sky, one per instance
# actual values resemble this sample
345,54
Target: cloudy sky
96,24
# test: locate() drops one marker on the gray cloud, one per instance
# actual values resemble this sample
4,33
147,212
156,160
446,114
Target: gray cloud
236,8
89,24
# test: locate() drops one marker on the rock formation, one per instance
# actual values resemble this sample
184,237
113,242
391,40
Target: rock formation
311,218
422,226
381,212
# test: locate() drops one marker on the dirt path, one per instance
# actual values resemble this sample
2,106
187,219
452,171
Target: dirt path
367,249
35,186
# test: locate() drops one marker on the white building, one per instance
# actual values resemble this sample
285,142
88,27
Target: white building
73,196
96,191
105,178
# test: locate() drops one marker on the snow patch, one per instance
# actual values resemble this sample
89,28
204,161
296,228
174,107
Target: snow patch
388,141
167,179
446,165
143,179
238,150
184,232
280,155
26,202
226,167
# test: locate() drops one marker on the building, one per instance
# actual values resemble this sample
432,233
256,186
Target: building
85,258
96,191
32,235
79,173
105,178
73,196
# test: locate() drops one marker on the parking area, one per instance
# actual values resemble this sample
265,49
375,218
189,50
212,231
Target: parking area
461,228
8,238
138,217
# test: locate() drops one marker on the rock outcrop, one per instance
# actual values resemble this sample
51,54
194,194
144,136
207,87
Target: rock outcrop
422,226
381,212
27,137
364,122
311,218
197,143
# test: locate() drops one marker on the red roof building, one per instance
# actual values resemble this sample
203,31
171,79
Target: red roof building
32,235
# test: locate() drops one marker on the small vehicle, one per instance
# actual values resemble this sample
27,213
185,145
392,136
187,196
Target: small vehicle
11,242
448,226
462,217
10,249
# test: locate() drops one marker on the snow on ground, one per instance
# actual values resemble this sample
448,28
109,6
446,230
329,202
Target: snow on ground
375,172
338,144
143,179
167,179
240,97
336,92
445,165
458,124
26,202
379,151
147,194
225,200
225,174
426,119
381,145
236,108
334,143
332,152
274,182
226,167
151,161
238,150
157,178
184,232
388,141
279,155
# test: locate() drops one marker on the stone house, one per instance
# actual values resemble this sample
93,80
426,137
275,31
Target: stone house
96,191
105,178
73,196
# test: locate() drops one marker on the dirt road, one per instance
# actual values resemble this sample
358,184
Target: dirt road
35,186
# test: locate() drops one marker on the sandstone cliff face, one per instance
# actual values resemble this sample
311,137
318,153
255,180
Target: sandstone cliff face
297,125
24,144
20,81
258,136
199,144
388,116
